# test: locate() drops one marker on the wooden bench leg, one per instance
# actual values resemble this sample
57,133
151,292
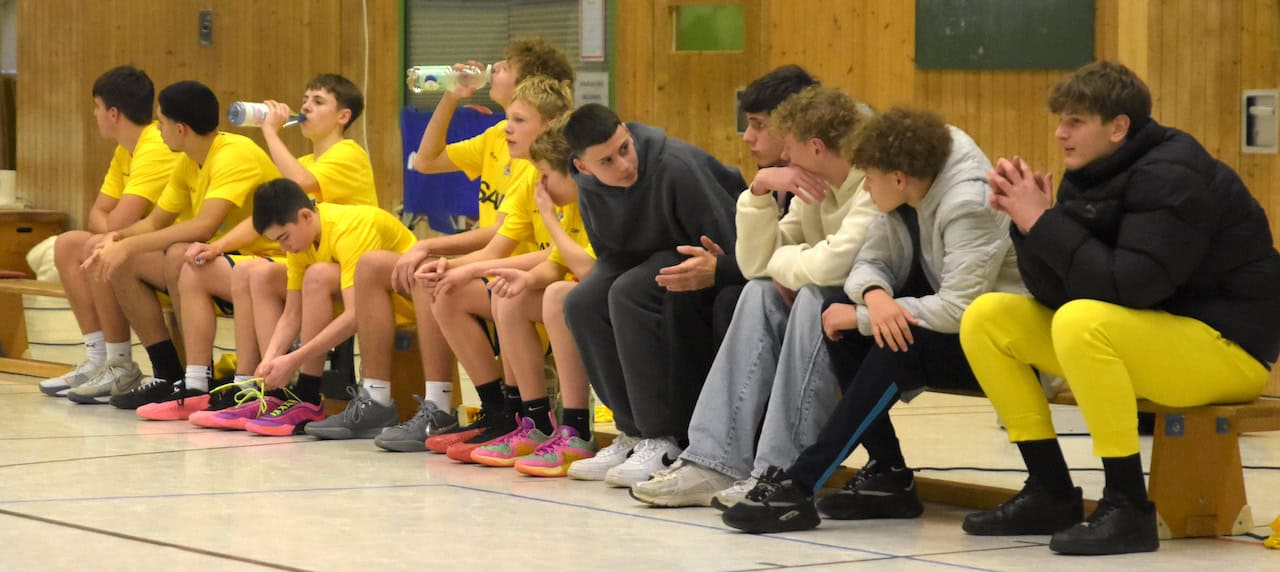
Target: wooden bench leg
1197,482
13,326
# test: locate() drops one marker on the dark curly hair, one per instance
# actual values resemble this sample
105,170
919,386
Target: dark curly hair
1107,88
536,56
822,112
915,142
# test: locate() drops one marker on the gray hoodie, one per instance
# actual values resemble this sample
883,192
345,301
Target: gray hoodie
966,247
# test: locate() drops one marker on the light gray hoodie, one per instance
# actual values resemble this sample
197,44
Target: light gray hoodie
966,250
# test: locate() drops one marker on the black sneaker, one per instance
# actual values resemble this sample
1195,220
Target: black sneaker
152,390
1118,526
776,504
1034,510
874,493
223,396
495,426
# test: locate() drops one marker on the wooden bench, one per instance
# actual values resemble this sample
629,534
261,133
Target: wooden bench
13,328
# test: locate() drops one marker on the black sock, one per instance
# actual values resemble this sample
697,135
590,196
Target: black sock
580,420
510,400
308,388
165,363
539,410
278,394
1047,466
1124,476
881,442
490,396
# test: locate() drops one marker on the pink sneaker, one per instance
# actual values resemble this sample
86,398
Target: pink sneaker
285,418
552,459
235,418
503,451
174,409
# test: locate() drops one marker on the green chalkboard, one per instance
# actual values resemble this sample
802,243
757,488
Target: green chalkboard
1004,34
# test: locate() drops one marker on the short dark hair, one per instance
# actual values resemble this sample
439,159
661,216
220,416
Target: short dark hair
128,89
591,124
344,92
915,142
191,103
768,91
277,202
536,56
1107,88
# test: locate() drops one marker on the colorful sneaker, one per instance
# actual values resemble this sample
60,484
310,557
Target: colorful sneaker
248,403
441,443
286,419
504,451
111,380
597,467
461,452
178,407
552,459
363,418
151,390
411,436
59,386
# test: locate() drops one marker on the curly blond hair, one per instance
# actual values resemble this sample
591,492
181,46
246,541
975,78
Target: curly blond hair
536,56
552,148
552,98
915,142
821,112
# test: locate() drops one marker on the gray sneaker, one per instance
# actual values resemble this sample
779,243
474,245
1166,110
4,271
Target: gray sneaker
112,379
363,418
411,436
79,375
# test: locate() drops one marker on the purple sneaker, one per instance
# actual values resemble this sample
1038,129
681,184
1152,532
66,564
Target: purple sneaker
286,419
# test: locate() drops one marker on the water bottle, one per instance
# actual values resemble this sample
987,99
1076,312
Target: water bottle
445,78
252,114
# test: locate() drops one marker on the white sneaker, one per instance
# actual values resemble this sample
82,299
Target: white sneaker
684,484
732,495
110,380
59,386
648,457
597,467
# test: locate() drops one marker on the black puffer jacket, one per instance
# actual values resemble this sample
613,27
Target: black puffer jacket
1160,224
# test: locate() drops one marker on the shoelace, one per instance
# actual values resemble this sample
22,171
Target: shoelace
248,390
868,470
743,486
768,483
425,409
288,403
550,445
355,410
520,432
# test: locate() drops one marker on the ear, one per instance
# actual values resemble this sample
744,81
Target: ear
817,145
1119,128
344,117
581,167
900,180
305,215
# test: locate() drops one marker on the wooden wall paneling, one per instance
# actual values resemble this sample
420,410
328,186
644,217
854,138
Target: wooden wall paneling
379,128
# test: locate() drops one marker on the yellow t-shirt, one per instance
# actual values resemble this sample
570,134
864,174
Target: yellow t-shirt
487,156
525,226
346,233
145,172
232,171
344,173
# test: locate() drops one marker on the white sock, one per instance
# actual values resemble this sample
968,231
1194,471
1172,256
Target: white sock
241,378
198,377
93,346
379,390
439,393
119,353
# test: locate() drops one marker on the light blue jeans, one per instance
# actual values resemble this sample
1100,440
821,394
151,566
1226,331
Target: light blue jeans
773,365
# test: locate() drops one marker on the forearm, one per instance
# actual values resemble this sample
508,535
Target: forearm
97,221
546,274
189,231
461,243
434,138
575,257
144,226
285,333
241,236
289,166
339,330
521,262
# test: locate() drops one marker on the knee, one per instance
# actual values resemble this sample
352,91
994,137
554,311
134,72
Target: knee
375,268
506,310
320,280
1078,318
189,278
985,309
174,260
553,301
809,300
70,246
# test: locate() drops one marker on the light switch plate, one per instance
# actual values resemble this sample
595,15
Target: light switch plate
206,27
1259,116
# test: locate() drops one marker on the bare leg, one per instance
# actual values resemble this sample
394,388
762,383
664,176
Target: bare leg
68,255
375,317
456,314
437,356
135,283
320,289
267,283
248,354
574,389
199,285
521,349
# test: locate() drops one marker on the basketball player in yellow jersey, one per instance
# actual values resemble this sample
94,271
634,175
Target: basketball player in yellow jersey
123,105
485,156
210,191
337,171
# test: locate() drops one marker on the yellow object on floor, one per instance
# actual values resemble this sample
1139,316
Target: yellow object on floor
1274,541
603,414
226,366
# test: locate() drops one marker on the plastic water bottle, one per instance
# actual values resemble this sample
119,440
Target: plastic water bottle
252,114
445,78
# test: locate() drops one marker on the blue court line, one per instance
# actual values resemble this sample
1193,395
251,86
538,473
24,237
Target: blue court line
882,555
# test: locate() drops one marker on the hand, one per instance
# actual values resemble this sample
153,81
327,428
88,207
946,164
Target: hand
788,295
804,185
276,372
1020,192
509,282
199,253
96,241
106,260
696,273
454,278
277,114
838,318
465,89
428,275
546,206
890,322
402,273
